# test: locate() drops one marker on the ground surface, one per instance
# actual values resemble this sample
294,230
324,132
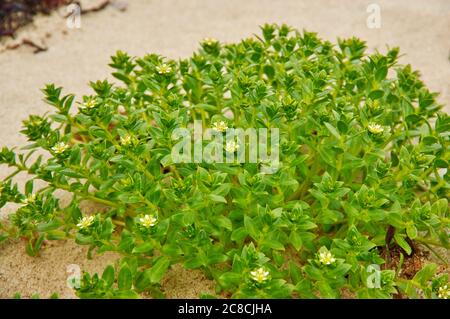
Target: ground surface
174,28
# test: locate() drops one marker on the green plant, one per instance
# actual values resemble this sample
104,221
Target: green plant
361,155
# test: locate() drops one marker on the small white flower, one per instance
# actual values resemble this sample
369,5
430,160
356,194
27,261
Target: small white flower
220,126
36,121
30,199
163,69
209,41
148,221
375,128
231,147
125,140
60,147
85,222
259,275
326,258
90,104
444,292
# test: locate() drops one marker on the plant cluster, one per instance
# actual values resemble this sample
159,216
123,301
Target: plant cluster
363,169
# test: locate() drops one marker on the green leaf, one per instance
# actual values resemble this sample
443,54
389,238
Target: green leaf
381,73
71,173
333,130
340,270
194,262
272,244
217,198
342,126
251,227
206,107
38,243
216,258
223,222
376,94
156,273
172,250
50,225
222,190
75,155
295,272
325,290
83,239
125,279
425,274
313,272
413,118
56,234
126,241
129,198
30,249
75,213
440,207
402,243
411,231
108,275
230,278
441,163
296,240
269,71
239,234
29,187
142,248
60,118
126,294
122,77
327,156
107,228
167,160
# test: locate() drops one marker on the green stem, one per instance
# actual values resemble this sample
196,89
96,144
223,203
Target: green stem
13,174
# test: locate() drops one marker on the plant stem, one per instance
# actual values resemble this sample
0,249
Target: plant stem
13,174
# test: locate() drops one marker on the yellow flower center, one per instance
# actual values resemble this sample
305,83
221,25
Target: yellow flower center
232,147
60,147
444,292
125,140
163,69
209,41
375,128
220,126
326,258
148,221
85,222
259,275
89,104
31,199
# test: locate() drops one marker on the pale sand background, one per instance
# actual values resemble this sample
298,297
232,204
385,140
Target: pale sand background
174,28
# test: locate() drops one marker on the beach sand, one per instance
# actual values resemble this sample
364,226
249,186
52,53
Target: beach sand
174,28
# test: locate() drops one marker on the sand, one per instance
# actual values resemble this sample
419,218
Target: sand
173,28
